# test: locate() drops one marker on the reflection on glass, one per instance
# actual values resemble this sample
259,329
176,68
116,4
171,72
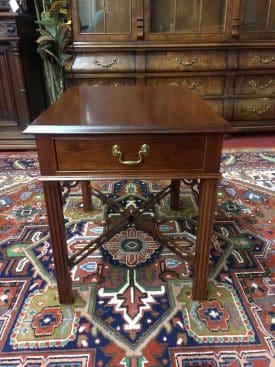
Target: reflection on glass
271,23
255,15
213,16
183,16
162,16
105,16
187,16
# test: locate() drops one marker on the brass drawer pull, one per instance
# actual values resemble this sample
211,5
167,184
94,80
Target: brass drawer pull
178,60
106,64
261,111
263,60
270,83
144,150
193,85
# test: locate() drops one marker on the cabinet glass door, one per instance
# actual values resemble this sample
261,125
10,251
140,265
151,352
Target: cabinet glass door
181,18
104,19
258,17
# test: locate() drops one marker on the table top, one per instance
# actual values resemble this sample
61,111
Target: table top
129,109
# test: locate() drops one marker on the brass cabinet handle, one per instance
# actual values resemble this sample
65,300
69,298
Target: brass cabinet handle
260,111
192,85
174,84
253,83
106,64
97,84
117,152
100,84
263,60
184,62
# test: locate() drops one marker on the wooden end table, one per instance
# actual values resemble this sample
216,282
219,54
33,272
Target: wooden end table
129,132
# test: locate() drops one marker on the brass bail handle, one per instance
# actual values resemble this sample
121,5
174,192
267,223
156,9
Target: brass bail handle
117,152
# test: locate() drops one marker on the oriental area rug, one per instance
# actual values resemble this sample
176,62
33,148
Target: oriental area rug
133,304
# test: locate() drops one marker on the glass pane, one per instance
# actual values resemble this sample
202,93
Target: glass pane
105,16
188,16
271,25
162,16
91,16
255,15
213,16
118,16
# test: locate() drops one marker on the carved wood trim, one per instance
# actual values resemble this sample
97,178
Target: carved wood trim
140,20
236,19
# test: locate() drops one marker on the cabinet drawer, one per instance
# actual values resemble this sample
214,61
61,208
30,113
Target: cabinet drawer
257,59
254,109
96,82
187,60
255,84
104,63
205,85
217,104
95,155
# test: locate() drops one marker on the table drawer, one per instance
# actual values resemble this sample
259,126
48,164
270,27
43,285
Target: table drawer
203,85
185,60
257,59
254,109
95,155
255,84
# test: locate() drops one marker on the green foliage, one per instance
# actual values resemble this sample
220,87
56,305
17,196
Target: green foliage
55,36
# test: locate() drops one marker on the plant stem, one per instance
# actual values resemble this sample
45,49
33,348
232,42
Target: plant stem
37,11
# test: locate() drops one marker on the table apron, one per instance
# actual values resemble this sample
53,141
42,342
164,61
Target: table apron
111,176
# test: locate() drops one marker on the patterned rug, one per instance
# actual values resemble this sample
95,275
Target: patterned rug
133,305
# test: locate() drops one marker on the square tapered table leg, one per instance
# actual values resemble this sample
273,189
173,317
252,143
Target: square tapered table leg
53,198
86,195
207,201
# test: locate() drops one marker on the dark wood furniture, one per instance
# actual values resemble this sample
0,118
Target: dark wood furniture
222,49
129,132
21,81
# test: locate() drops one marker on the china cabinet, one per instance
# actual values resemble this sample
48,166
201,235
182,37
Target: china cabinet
21,88
222,49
